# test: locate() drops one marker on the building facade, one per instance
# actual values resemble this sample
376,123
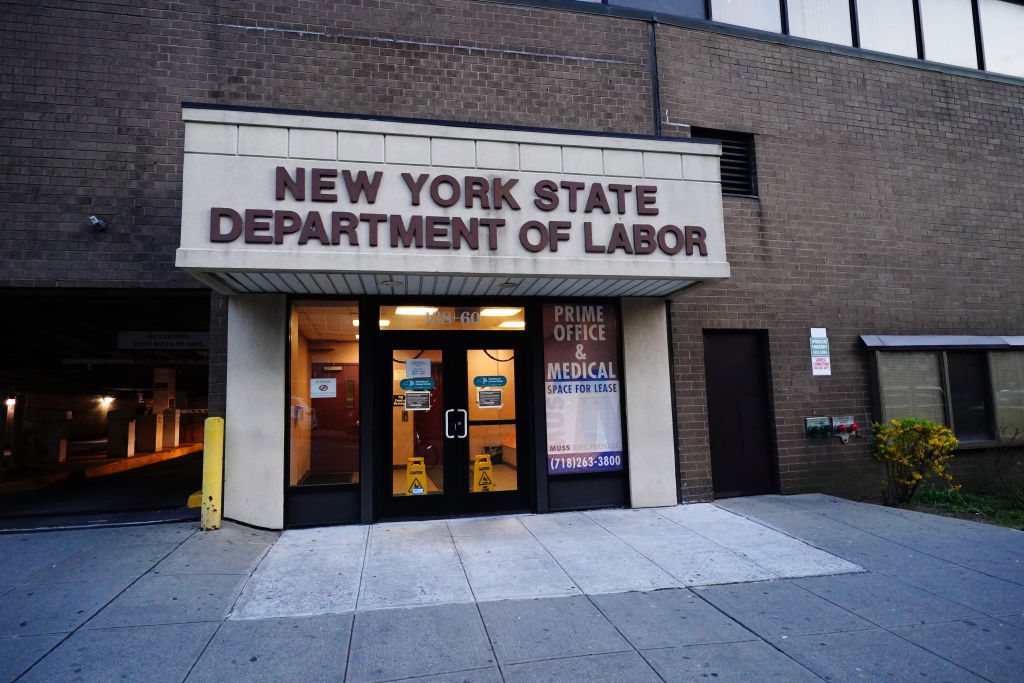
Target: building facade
797,227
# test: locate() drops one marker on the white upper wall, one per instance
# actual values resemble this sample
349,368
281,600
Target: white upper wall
232,157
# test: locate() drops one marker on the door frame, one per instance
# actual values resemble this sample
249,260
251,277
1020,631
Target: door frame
456,500
358,502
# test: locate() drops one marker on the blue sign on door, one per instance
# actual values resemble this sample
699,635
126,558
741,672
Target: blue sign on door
416,383
489,381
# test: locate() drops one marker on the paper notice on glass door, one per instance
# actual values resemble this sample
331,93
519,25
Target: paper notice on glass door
417,400
417,367
488,398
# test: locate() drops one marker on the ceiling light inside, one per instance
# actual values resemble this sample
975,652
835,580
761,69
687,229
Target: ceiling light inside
415,310
499,312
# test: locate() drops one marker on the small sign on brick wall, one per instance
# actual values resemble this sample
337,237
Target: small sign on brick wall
821,362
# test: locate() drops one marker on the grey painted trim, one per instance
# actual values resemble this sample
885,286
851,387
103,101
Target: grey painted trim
763,36
652,50
213,106
947,392
979,43
854,24
892,342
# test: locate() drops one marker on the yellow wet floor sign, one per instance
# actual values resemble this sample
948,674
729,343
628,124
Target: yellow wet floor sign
415,477
482,475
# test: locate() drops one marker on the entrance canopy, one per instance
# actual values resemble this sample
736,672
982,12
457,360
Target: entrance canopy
318,204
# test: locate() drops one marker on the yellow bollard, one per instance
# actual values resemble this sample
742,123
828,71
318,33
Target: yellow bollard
483,479
213,473
415,477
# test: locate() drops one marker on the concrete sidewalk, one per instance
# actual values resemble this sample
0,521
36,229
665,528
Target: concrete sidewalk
784,588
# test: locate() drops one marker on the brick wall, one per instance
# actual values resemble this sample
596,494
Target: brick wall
890,203
92,92
890,195
91,95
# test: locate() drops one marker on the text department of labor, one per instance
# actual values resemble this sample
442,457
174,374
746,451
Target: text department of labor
356,228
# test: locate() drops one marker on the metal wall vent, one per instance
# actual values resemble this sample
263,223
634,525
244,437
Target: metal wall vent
739,176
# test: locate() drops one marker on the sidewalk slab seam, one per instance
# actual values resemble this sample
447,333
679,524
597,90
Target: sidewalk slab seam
884,601
925,605
529,630
394,644
754,660
155,600
625,666
109,654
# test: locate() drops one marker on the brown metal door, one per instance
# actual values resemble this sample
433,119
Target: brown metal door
739,421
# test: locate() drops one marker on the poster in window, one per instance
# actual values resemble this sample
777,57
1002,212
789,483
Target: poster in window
581,388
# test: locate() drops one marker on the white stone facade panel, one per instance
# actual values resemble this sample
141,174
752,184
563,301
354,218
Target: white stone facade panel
522,159
312,144
497,155
360,147
407,149
211,138
585,160
542,158
262,141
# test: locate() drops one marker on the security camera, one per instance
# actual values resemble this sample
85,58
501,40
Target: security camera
98,224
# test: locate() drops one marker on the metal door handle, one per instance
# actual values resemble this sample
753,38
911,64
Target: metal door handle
447,423
465,423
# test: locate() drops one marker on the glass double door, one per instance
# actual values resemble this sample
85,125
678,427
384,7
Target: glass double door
453,441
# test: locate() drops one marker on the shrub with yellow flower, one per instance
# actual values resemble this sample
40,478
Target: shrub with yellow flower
912,450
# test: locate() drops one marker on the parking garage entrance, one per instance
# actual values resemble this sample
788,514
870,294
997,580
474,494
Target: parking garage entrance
105,395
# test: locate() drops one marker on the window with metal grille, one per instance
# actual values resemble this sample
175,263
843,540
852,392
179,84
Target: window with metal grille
739,176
